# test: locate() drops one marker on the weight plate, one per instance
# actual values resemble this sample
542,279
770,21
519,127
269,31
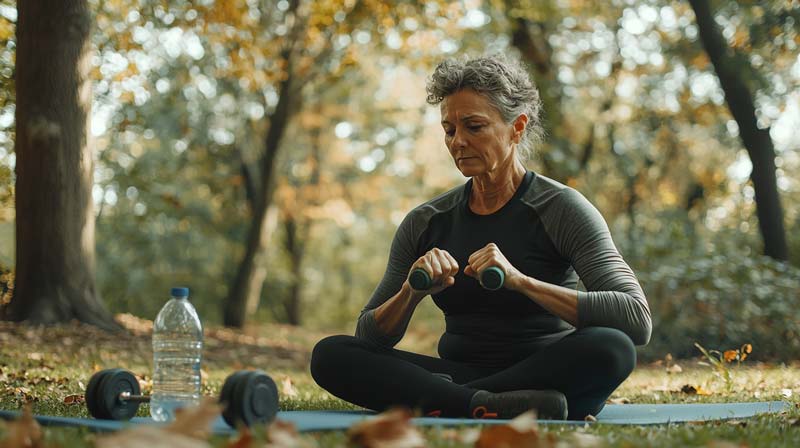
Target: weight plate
91,396
226,397
112,385
257,398
262,401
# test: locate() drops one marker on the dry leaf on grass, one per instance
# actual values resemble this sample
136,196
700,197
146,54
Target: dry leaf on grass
244,439
522,432
149,436
196,422
465,436
24,432
674,369
390,429
282,434
287,388
74,399
618,400
694,390
190,429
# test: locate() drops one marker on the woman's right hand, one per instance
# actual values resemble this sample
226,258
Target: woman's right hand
440,266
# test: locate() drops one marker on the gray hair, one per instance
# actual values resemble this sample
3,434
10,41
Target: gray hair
504,82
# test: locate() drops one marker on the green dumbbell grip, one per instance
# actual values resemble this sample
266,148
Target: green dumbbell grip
492,278
419,279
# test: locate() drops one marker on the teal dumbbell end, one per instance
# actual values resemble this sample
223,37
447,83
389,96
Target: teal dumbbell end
493,278
419,280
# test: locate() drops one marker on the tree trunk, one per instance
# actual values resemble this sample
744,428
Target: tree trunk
247,285
530,39
294,245
757,141
54,215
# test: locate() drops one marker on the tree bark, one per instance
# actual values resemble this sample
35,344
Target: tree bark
54,215
757,141
295,247
246,288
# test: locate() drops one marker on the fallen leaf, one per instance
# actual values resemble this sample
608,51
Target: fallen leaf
190,429
522,431
675,368
149,436
465,436
619,400
786,393
24,432
694,390
730,355
282,434
196,421
245,439
287,388
390,429
590,418
74,399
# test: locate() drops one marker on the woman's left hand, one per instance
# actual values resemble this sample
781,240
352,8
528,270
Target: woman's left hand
489,256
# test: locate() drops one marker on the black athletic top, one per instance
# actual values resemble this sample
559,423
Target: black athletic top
548,231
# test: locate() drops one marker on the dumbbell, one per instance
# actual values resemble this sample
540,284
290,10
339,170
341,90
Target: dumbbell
249,396
492,278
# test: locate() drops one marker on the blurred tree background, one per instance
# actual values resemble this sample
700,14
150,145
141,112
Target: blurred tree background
263,152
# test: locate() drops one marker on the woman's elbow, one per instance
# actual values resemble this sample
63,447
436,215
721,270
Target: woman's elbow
641,332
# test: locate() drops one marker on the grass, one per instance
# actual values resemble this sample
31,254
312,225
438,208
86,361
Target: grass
44,366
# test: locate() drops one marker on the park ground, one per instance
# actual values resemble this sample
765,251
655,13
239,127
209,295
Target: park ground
50,366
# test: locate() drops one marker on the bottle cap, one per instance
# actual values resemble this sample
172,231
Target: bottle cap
179,292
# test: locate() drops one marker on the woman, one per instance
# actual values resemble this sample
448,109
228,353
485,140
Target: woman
536,343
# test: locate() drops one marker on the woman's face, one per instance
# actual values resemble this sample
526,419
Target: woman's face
478,138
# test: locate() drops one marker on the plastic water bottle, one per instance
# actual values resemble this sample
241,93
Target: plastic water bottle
177,351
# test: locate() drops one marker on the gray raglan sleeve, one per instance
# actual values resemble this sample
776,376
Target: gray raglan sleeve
614,297
401,257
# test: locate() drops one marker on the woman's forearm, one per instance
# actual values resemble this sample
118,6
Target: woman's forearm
392,315
561,301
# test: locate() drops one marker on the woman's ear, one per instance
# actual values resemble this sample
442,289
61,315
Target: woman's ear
519,127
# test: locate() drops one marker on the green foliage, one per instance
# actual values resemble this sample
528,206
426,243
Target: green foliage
725,298
636,122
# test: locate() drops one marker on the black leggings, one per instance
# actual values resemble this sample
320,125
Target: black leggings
587,365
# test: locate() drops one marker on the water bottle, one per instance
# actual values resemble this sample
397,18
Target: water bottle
177,350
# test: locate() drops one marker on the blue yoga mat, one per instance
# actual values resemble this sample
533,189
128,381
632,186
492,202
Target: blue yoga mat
614,414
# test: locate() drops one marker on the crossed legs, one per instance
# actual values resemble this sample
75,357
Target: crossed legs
586,366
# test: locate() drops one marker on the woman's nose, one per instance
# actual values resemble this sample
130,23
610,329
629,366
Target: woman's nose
458,139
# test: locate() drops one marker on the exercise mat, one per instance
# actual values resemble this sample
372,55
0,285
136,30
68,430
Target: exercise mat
615,414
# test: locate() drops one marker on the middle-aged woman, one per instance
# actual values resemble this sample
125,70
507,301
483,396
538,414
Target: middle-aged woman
536,343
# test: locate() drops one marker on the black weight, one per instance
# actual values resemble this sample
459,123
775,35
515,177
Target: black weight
226,397
91,396
261,402
492,278
114,383
255,398
419,279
